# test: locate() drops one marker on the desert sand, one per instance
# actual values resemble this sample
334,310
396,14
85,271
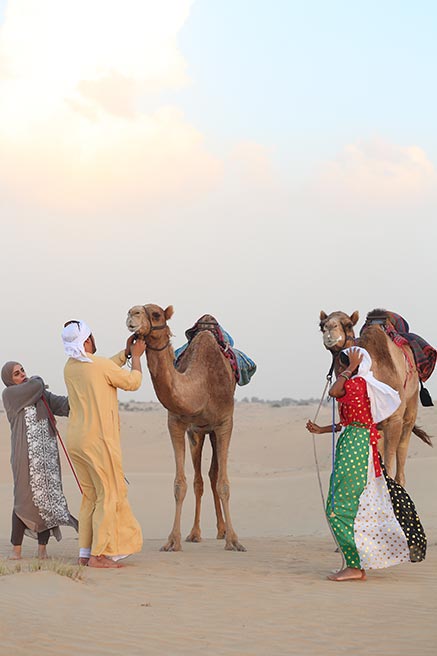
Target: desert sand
274,599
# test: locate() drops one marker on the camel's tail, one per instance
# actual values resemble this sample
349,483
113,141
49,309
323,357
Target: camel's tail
423,435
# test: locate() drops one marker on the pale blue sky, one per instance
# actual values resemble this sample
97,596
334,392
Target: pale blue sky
308,76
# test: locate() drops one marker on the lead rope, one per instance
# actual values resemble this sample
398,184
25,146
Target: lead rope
52,421
333,458
316,460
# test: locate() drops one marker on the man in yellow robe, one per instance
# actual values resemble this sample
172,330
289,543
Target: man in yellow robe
108,530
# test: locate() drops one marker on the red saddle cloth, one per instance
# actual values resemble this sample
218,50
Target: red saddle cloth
425,356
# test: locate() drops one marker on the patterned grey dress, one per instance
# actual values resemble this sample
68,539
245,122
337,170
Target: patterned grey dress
39,500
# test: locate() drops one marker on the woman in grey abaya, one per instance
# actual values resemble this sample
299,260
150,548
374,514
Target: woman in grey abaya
39,503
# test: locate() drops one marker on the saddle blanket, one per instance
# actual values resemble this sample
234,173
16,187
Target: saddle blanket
242,366
425,355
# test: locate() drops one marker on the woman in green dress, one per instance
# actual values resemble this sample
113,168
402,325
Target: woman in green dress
373,518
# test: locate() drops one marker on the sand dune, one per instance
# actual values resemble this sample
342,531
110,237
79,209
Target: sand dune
273,599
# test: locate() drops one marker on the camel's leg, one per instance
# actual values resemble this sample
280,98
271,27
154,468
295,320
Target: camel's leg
392,435
407,426
223,435
213,475
177,434
196,445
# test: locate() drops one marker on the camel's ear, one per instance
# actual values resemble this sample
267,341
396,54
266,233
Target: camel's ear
323,315
168,312
354,317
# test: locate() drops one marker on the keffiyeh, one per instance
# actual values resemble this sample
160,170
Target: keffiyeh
73,337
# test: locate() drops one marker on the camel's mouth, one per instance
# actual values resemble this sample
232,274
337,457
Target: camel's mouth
133,326
330,341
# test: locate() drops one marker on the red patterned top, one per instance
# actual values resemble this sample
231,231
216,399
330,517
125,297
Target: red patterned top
354,408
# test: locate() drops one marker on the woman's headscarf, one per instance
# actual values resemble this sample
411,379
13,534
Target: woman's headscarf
384,400
73,336
7,371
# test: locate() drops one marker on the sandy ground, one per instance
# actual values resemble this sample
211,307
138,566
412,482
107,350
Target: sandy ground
273,599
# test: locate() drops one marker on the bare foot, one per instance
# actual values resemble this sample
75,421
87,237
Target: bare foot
103,562
348,574
16,552
42,553
83,561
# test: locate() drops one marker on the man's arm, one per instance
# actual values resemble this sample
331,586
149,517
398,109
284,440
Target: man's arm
128,380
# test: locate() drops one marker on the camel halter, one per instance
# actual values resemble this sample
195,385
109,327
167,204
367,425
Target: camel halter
152,328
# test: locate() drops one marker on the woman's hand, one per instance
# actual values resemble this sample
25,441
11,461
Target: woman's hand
355,359
313,428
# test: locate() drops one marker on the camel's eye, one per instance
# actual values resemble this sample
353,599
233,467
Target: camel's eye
156,315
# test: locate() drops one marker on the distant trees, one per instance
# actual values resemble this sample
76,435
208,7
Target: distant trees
280,403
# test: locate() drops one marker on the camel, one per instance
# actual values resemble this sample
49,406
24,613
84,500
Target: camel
199,398
391,365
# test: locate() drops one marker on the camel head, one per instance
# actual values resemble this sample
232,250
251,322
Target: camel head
149,321
337,329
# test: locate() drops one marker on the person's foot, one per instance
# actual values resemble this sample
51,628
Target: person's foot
103,562
16,553
83,561
348,574
42,552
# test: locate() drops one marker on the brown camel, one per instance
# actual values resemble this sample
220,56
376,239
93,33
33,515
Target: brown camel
391,365
199,397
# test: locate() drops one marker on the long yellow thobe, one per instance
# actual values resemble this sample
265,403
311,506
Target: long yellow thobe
106,521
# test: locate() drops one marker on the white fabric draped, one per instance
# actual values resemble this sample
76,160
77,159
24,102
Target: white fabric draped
384,400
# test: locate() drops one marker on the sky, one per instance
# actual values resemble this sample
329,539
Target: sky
258,161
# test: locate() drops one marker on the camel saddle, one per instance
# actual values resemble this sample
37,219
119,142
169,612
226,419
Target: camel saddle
242,366
398,330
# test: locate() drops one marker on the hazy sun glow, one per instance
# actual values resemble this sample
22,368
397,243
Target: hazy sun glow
71,78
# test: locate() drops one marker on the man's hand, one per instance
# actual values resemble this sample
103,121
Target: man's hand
129,342
138,347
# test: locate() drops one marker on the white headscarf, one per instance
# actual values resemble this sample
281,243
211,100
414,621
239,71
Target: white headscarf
73,337
384,400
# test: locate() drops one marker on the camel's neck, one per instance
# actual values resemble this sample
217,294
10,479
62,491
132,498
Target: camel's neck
171,387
